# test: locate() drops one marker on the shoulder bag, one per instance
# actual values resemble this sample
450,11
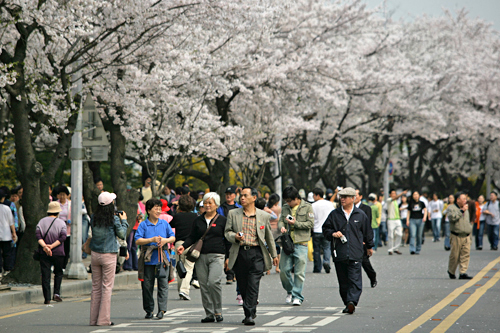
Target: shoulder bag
195,250
36,253
161,267
287,243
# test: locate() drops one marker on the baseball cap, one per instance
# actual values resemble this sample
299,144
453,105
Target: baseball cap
231,189
105,198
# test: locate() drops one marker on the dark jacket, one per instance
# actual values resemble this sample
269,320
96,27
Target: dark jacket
183,222
224,209
214,240
367,210
357,230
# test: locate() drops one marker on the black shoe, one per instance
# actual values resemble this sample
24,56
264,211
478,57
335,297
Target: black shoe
208,320
219,318
253,317
346,310
412,252
390,253
447,248
495,248
452,276
374,284
479,248
248,321
464,277
149,315
111,324
46,302
327,268
316,271
57,298
159,315
229,281
351,308
397,252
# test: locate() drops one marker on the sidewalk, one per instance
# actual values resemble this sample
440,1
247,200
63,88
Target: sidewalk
69,287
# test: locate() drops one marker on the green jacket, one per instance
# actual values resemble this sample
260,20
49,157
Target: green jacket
304,221
375,215
459,222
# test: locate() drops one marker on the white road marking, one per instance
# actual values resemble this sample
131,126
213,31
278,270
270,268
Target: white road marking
287,321
325,321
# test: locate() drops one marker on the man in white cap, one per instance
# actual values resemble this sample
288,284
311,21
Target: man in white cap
348,227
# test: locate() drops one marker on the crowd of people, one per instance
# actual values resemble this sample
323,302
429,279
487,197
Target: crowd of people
206,241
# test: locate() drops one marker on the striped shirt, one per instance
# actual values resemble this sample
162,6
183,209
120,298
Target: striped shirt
249,231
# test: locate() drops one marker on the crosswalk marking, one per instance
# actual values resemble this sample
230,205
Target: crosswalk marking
287,321
325,321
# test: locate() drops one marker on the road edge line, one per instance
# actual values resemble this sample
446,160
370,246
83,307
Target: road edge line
427,315
469,303
19,313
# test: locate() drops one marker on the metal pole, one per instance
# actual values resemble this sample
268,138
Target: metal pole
386,172
277,170
75,268
488,172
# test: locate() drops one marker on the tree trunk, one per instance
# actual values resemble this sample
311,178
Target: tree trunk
125,200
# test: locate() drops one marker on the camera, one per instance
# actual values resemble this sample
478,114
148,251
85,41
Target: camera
118,212
289,217
343,239
240,234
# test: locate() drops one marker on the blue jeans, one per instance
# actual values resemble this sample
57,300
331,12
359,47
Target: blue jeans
383,232
416,231
297,259
493,235
376,238
85,232
319,242
478,232
436,228
446,227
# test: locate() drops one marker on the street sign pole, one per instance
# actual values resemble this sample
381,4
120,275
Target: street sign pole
75,268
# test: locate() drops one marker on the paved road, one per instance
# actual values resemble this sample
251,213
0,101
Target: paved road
414,294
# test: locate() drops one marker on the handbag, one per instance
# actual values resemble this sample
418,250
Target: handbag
123,251
181,269
161,267
195,250
287,243
36,253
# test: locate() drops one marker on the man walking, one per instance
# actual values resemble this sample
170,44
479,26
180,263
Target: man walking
460,229
367,265
249,230
347,227
394,227
321,209
491,212
297,218
223,210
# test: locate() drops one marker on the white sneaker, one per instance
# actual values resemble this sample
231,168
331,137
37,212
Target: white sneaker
288,299
297,302
195,284
184,296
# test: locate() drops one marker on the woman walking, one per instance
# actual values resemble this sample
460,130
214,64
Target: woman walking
403,211
153,235
435,210
106,226
65,215
210,264
415,220
51,234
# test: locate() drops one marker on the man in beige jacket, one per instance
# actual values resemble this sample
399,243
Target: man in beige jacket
460,229
249,230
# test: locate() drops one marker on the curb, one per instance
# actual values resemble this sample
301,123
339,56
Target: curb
68,288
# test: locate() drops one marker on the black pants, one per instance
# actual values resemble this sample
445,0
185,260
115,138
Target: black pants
5,259
46,263
148,286
248,268
67,248
229,275
367,266
350,281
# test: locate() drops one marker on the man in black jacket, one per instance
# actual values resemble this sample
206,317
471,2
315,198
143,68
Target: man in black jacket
347,227
367,266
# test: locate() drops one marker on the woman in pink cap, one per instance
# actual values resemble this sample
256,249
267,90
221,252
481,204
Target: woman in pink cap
106,226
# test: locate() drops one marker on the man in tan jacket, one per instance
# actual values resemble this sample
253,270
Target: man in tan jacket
460,229
249,230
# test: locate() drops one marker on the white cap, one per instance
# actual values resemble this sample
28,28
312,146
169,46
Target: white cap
105,198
